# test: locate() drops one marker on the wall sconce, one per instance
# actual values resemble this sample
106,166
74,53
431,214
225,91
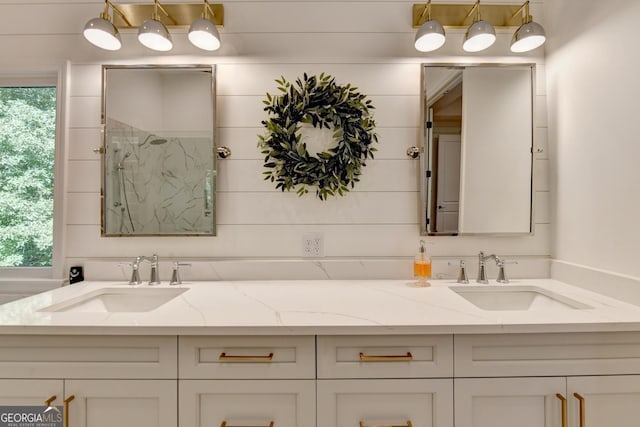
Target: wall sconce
103,31
153,34
203,33
480,35
480,29
529,35
430,35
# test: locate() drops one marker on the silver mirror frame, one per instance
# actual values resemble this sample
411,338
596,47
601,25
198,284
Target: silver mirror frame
425,201
103,147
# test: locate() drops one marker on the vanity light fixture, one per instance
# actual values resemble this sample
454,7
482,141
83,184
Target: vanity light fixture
153,34
431,20
430,35
153,22
203,33
529,35
101,32
481,34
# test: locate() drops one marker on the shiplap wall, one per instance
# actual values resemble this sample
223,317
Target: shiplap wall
366,43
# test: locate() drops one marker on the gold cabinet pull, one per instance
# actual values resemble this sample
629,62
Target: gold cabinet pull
65,415
389,358
582,405
408,424
224,424
229,358
47,402
564,408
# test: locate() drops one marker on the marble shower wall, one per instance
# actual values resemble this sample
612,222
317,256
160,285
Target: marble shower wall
158,183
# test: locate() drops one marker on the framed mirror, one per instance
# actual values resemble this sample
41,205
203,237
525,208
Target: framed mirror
159,163
477,167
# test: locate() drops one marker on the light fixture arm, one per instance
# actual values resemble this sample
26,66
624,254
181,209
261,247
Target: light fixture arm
527,16
117,12
475,8
426,11
208,11
156,6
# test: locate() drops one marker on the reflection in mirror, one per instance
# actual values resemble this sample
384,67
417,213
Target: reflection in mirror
477,167
159,163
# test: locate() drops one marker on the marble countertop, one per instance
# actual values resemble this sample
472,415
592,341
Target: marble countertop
319,307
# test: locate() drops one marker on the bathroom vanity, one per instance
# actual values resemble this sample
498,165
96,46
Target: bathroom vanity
324,353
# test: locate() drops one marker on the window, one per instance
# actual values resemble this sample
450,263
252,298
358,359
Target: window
27,151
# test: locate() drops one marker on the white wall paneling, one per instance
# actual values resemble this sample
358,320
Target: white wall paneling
367,43
83,176
246,175
276,240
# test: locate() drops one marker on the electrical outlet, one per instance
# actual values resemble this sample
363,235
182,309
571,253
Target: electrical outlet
312,245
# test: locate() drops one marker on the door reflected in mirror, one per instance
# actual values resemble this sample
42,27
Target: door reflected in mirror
159,170
477,163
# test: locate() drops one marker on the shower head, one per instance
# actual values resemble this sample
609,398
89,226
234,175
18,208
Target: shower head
153,140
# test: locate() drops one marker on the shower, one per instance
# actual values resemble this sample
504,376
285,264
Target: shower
120,181
153,140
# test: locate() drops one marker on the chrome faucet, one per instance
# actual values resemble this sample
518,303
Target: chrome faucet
502,276
135,273
175,276
482,273
482,270
462,274
153,279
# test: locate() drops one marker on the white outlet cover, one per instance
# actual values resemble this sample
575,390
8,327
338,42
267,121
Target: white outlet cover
312,245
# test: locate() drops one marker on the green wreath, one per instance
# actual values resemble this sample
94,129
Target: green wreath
321,102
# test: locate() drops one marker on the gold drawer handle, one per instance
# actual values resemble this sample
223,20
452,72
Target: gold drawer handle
564,408
583,417
224,356
408,424
390,358
65,415
47,402
224,424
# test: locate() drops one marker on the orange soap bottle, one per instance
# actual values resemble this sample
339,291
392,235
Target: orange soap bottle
422,266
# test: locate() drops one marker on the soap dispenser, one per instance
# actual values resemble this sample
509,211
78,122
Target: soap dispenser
422,267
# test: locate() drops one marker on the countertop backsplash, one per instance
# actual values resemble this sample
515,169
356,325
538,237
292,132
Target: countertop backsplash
522,267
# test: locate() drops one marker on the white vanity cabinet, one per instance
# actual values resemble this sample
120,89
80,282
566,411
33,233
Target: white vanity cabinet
385,381
257,381
106,380
479,380
547,380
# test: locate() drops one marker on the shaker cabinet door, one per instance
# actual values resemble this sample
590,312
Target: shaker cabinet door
30,392
385,402
604,401
122,403
509,402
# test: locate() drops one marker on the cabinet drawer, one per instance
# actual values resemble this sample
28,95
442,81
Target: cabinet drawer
404,356
37,356
356,403
547,354
210,403
248,357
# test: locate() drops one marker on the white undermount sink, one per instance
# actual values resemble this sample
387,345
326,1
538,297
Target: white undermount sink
516,298
117,300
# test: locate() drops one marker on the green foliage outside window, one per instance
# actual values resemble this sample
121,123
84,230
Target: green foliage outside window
27,146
